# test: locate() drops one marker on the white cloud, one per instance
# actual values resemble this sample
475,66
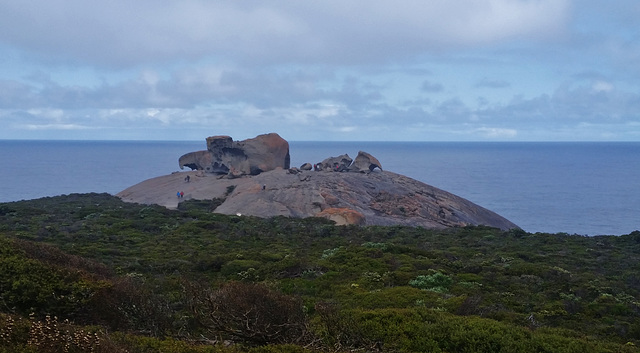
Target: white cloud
495,133
55,127
404,69
152,112
53,114
123,33
346,129
602,86
492,83
430,87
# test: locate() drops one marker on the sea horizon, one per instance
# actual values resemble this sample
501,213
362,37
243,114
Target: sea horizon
575,187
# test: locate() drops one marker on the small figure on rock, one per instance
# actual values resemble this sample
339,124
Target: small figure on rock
187,179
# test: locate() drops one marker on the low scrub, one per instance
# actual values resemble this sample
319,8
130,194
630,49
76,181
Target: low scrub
136,278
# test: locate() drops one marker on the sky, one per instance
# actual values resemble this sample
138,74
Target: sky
401,70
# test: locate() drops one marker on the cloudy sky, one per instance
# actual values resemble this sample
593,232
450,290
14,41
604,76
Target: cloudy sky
401,70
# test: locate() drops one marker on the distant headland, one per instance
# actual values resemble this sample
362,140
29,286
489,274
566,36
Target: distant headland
254,178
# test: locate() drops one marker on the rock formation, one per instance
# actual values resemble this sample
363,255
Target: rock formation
365,163
237,158
260,183
336,164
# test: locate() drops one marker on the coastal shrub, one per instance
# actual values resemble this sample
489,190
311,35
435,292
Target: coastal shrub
49,335
340,330
436,282
96,260
424,330
28,286
193,206
127,303
52,255
249,312
330,252
372,245
233,268
393,297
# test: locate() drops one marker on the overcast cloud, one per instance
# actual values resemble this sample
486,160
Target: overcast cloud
513,70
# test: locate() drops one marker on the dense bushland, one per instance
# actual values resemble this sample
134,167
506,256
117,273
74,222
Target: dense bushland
88,272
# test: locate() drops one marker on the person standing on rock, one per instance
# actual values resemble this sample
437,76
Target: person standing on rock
178,194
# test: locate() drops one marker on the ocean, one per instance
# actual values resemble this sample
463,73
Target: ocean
586,188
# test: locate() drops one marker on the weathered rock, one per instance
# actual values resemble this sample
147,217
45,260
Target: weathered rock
247,157
336,164
304,177
234,173
381,197
199,160
342,216
365,162
306,166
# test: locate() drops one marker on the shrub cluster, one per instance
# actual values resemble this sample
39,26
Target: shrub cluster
249,312
140,278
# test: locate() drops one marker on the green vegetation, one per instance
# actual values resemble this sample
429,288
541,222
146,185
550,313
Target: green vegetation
89,273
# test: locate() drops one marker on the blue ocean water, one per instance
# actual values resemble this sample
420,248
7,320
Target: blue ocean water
577,188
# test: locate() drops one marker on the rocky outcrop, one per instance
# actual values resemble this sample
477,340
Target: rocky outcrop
259,182
237,158
363,163
374,198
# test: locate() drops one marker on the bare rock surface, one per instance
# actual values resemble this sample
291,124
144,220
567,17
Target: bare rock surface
373,198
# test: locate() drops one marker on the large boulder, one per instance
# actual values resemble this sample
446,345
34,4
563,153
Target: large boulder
248,157
365,162
336,164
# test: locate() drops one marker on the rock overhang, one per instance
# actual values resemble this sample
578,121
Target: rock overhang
247,157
